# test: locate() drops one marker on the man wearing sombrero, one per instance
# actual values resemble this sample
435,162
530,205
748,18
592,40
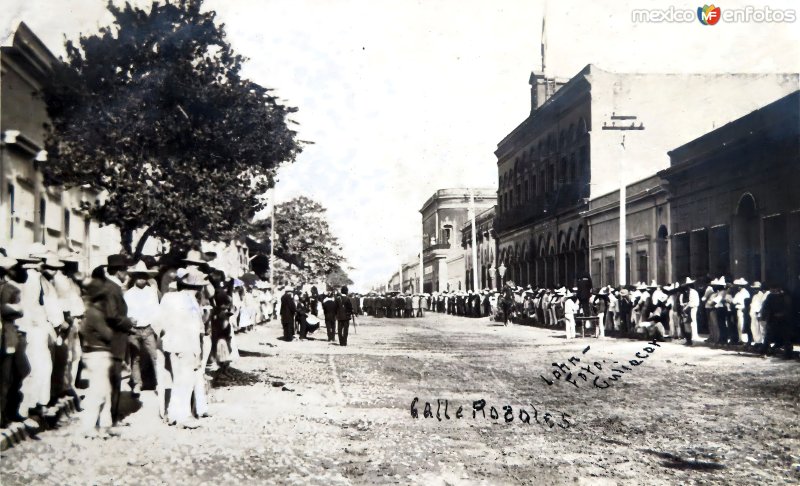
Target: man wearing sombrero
42,316
740,301
142,301
690,302
66,284
10,311
181,320
757,323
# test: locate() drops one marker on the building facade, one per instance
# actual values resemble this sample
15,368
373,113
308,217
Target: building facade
443,215
734,199
570,150
30,211
647,256
486,250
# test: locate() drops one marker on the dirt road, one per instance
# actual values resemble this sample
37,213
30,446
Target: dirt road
679,416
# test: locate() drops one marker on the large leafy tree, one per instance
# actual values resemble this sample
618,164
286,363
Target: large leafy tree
153,112
303,241
337,278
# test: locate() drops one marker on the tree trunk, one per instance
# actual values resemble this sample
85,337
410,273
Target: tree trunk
142,240
126,237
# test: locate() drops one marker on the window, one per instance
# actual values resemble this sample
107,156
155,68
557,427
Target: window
42,214
611,271
719,251
641,266
534,189
628,267
11,210
584,170
596,271
573,170
680,256
66,224
542,185
446,231
87,241
698,253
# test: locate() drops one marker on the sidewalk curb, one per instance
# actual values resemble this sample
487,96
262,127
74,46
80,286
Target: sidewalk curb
17,432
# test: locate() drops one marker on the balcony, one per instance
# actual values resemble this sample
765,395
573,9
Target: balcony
540,207
439,250
438,246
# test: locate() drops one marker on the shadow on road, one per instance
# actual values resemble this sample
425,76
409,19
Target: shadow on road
677,462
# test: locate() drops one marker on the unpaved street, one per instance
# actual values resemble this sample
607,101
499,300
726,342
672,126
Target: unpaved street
692,416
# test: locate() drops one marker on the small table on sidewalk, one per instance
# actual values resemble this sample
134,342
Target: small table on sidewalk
592,322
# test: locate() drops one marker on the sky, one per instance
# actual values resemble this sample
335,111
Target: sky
404,97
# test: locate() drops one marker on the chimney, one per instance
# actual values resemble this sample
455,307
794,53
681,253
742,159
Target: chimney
539,91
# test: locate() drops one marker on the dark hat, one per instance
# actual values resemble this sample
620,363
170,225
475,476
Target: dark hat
344,290
118,261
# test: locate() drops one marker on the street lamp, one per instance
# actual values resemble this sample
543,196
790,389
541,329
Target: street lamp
492,273
502,270
623,238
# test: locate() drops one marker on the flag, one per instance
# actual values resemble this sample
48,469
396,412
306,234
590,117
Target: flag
544,38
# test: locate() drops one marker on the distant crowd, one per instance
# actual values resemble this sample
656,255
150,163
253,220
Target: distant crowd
734,313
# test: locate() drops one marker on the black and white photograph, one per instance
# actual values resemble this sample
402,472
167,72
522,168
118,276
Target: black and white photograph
399,242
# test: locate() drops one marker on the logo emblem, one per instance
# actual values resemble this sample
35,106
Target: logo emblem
708,14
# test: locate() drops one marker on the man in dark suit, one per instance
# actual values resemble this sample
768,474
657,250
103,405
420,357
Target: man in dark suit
390,306
344,311
329,309
288,310
115,311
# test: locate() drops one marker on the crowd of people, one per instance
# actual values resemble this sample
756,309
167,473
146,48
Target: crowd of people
301,312
70,334
178,317
735,313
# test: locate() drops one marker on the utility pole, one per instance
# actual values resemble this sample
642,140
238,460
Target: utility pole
272,243
475,277
623,238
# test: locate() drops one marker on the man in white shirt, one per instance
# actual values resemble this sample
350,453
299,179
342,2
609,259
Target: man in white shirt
570,303
757,323
181,319
42,315
740,298
142,301
69,293
690,302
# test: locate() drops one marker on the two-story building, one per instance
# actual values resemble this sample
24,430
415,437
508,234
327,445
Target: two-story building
30,211
443,216
486,244
570,150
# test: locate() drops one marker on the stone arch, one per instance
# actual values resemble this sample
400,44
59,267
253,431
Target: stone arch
662,258
745,239
746,204
583,129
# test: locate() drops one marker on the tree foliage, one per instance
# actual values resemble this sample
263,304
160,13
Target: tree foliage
337,278
153,112
303,240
